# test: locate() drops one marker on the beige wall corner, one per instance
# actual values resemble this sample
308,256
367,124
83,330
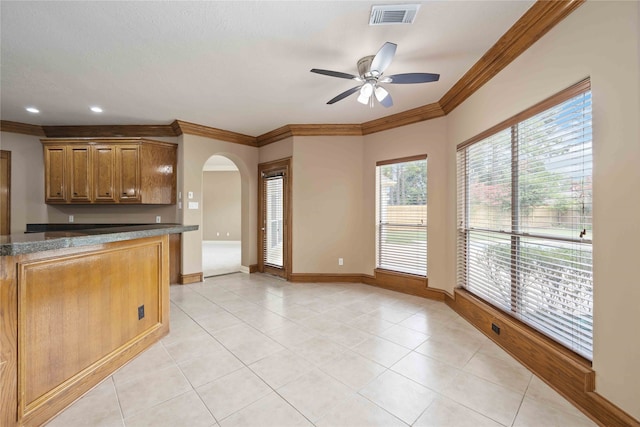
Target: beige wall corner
27,180
327,204
195,152
276,151
430,138
600,40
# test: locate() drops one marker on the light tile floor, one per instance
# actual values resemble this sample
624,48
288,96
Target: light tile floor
253,350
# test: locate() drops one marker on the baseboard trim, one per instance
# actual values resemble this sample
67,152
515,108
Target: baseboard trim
325,278
564,371
253,268
405,283
400,282
185,279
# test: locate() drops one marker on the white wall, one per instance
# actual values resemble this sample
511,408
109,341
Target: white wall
600,40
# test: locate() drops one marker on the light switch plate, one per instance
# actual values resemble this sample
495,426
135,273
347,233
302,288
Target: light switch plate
193,205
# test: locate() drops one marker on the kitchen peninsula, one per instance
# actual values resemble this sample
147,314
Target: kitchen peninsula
75,305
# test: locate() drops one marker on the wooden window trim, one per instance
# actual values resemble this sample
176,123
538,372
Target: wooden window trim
564,95
401,160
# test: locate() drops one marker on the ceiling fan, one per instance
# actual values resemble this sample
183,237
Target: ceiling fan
370,70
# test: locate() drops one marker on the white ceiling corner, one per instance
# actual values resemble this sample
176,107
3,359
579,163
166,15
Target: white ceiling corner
235,65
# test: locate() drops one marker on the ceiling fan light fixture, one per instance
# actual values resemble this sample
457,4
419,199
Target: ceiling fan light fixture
365,93
381,93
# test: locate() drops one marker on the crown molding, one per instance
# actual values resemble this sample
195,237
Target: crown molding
415,115
23,128
108,131
214,133
288,131
531,26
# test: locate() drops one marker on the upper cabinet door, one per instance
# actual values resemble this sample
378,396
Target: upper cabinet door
128,163
54,173
79,175
104,173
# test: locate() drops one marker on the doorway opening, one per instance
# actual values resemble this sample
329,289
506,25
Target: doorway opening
221,217
274,222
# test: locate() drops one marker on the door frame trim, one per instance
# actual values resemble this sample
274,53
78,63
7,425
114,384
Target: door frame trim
7,154
284,165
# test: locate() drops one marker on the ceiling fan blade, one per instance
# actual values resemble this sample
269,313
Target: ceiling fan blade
384,57
344,94
334,74
383,97
412,78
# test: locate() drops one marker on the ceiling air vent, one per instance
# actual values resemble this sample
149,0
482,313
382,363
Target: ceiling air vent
393,14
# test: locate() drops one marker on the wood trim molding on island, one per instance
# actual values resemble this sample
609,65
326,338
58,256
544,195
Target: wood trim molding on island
46,369
564,371
186,279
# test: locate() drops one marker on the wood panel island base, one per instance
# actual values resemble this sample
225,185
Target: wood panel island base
71,316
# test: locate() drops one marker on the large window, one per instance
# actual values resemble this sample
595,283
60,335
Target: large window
402,215
524,218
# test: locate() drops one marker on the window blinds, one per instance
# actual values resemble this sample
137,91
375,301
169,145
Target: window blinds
524,221
274,215
402,216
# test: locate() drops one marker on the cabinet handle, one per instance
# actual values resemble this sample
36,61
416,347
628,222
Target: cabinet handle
57,194
124,194
75,194
106,194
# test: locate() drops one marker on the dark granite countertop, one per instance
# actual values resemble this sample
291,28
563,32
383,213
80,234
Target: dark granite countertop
17,244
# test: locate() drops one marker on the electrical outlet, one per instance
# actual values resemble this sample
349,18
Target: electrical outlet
70,218
190,194
340,261
227,234
495,328
141,312
158,219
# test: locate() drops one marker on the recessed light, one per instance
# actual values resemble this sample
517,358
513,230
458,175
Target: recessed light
96,109
32,110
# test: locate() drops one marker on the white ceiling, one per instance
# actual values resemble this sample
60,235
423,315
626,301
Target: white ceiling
240,66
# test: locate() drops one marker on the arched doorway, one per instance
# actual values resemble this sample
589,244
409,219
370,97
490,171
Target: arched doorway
221,217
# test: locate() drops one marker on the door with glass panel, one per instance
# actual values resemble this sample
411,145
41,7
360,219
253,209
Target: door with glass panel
273,233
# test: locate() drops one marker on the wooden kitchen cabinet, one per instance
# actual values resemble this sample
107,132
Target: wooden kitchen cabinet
129,172
104,174
109,171
79,179
54,173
